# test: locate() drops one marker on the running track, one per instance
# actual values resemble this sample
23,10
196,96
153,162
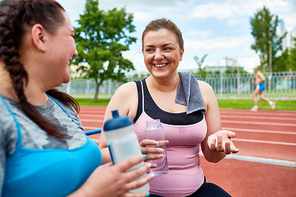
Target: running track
266,162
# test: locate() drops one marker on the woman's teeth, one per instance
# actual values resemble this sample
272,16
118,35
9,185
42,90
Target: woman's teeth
160,65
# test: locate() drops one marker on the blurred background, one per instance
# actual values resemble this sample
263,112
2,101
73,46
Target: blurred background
223,39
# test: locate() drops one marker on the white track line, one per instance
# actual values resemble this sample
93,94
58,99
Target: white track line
260,131
259,123
264,142
271,113
260,160
260,117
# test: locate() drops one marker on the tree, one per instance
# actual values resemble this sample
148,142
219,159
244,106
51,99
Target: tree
201,71
281,63
292,57
101,38
267,42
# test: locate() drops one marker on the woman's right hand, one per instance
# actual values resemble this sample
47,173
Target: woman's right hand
113,180
149,147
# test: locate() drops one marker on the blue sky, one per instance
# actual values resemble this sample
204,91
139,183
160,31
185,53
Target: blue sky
219,28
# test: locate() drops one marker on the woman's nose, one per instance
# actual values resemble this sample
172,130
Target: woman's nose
158,55
75,54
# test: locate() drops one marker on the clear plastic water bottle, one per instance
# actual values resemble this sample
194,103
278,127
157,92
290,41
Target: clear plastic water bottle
122,141
154,131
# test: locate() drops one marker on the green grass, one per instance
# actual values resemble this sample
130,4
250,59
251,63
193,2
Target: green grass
223,104
248,104
90,102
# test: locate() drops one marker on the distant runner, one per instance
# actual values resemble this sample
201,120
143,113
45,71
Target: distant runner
259,79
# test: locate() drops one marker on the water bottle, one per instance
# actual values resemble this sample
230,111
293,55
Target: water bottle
154,131
123,142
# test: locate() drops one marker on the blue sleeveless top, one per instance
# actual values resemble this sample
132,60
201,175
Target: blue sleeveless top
48,172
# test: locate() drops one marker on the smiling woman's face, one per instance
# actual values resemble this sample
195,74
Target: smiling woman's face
162,52
63,49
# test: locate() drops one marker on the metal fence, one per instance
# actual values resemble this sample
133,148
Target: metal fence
279,86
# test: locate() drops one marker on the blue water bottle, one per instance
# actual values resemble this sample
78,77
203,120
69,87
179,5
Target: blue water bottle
122,141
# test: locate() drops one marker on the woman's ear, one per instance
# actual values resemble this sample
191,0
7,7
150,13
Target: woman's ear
181,54
38,34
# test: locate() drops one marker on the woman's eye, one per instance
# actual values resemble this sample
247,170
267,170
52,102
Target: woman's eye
167,49
149,50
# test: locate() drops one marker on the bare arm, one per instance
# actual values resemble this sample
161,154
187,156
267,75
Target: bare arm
125,100
217,142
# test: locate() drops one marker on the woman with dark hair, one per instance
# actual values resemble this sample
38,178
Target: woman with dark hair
187,109
43,148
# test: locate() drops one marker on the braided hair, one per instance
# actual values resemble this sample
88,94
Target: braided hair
17,17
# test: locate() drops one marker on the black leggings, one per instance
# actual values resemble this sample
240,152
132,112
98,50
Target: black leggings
208,190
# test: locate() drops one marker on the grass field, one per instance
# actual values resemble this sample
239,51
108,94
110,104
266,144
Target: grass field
223,104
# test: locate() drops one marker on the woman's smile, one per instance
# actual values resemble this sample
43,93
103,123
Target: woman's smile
160,65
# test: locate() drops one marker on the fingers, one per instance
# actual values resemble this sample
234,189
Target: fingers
231,134
162,143
152,149
220,147
154,156
133,177
150,146
146,142
223,144
213,144
227,148
130,194
130,162
140,182
233,148
138,172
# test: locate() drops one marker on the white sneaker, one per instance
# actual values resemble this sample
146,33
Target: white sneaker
272,105
255,109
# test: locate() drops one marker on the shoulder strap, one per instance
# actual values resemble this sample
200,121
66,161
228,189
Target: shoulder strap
19,135
64,111
140,107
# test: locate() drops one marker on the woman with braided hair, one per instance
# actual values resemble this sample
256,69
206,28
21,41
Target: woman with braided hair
43,148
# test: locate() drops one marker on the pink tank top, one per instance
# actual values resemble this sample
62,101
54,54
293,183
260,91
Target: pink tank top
185,175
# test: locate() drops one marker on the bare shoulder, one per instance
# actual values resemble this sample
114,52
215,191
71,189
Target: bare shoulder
207,93
127,88
205,87
125,93
125,100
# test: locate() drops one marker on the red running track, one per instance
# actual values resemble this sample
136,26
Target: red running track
266,162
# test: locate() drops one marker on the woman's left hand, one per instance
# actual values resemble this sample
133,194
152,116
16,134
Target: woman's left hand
221,142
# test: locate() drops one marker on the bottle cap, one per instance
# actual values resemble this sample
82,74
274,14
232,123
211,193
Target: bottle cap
117,121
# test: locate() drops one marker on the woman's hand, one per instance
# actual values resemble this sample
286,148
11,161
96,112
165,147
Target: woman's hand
114,180
150,148
221,142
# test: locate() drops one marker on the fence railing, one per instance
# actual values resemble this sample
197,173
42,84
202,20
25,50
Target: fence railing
279,86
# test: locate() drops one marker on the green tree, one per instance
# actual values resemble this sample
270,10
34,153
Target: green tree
281,63
292,57
201,71
101,38
264,27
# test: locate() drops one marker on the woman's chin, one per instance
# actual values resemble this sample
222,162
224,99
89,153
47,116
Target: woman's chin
67,79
